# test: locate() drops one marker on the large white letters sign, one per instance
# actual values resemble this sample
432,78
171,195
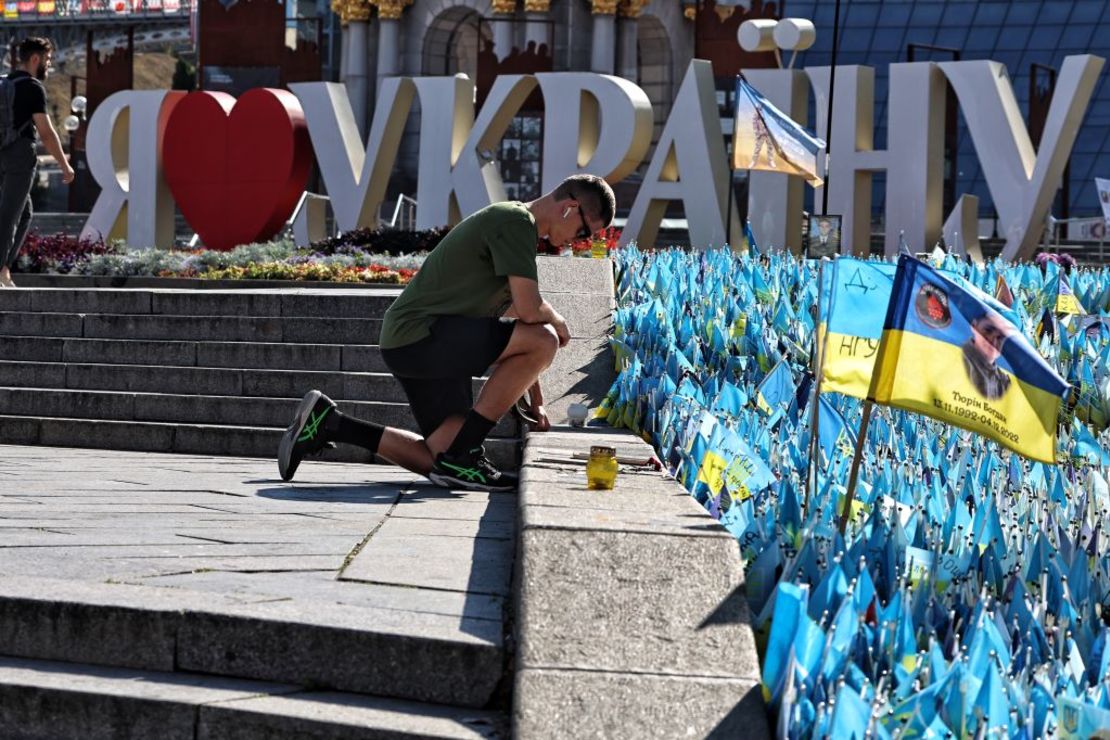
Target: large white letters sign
124,145
602,125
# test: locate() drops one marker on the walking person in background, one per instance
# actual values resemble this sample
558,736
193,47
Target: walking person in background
24,120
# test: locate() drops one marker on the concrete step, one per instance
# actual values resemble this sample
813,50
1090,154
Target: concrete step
361,303
197,439
201,327
385,648
262,355
181,409
47,699
204,381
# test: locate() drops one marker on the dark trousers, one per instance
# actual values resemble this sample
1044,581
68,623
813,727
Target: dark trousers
17,172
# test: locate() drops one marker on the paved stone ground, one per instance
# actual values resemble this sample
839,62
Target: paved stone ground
373,543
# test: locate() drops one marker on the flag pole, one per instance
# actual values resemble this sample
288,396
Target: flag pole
829,113
853,476
819,355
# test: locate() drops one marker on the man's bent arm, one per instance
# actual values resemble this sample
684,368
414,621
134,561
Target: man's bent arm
530,307
52,143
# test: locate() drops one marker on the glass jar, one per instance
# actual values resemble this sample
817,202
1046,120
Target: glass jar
601,470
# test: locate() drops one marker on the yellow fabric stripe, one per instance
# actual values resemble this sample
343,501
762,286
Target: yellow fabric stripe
929,377
849,363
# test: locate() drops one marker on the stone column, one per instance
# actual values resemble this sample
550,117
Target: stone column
604,41
389,38
628,61
344,48
355,14
536,12
503,26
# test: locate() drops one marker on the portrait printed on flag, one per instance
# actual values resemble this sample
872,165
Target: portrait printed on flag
949,351
981,351
823,239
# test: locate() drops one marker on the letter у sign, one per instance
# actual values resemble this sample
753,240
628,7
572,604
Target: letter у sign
237,168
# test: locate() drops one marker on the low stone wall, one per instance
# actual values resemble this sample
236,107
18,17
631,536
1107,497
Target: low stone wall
631,617
631,620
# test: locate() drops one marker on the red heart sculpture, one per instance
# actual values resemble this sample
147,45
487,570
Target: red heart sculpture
237,168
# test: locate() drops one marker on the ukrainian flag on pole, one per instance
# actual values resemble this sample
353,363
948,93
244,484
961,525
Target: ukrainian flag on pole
947,353
854,297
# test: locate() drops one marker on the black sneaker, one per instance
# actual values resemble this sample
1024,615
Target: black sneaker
305,435
472,472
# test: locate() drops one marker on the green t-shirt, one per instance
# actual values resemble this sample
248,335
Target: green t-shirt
467,274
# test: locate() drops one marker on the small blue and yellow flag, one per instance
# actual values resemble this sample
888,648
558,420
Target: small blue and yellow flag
1066,301
947,353
854,297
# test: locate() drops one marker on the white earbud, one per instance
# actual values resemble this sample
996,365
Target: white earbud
566,211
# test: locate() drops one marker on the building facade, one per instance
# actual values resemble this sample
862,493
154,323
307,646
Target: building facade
651,42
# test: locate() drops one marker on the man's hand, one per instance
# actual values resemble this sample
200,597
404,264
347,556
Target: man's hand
539,413
561,330
543,423
67,173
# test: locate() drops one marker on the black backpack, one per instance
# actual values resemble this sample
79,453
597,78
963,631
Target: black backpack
9,134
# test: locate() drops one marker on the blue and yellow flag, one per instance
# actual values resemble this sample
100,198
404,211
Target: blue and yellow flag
854,295
1066,301
765,138
948,354
776,390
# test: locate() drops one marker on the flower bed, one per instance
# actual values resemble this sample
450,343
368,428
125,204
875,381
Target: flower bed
277,260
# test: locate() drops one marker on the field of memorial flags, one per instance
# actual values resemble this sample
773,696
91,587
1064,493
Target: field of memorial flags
969,595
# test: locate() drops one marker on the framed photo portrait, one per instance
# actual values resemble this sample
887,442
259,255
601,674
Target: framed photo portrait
823,239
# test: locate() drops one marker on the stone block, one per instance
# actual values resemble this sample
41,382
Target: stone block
53,700
43,699
222,440
363,358
409,655
574,275
215,303
231,410
679,607
91,301
14,323
130,352
31,349
292,383
478,565
72,404
15,300
153,379
588,316
361,304
205,328
123,626
582,372
110,435
270,356
15,430
331,331
32,374
557,704
334,716
370,387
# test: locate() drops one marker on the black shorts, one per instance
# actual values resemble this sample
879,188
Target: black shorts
438,372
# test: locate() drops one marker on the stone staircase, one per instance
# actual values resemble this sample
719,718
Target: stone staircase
162,595
213,372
